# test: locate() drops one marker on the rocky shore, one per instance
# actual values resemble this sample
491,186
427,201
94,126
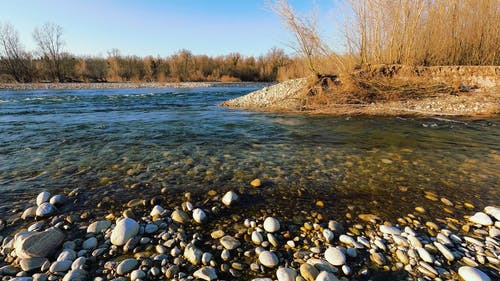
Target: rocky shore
120,85
479,95
205,239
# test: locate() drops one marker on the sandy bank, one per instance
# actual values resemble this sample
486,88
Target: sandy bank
481,96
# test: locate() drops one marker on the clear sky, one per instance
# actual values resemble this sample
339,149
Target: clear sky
161,27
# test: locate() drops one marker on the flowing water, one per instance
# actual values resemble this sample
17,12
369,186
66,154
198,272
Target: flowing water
122,144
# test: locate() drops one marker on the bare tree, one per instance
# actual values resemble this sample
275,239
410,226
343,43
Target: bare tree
49,40
308,42
16,60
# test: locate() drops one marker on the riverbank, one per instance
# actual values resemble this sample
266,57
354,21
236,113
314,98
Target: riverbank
119,85
420,91
209,238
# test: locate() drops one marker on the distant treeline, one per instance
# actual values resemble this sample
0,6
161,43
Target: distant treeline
49,63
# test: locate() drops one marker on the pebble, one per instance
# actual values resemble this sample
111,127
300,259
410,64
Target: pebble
123,231
98,226
199,215
481,218
42,197
229,242
29,213
286,274
76,275
335,256
308,271
60,266
268,259
445,251
180,216
468,273
329,235
271,224
257,237
390,230
256,183
137,274
40,244
207,273
156,211
230,198
326,276
57,200
90,243
493,211
193,254
45,210
126,266
29,264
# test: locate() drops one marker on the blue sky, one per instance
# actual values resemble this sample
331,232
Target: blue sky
156,27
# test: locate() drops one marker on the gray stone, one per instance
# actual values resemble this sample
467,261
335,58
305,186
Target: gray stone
445,251
137,274
123,231
67,254
39,277
90,243
60,266
29,264
268,259
39,244
472,274
335,256
207,273
58,200
79,263
156,211
98,226
151,228
493,211
328,234
45,210
257,237
286,274
230,198
76,275
126,266
271,224
229,242
309,272
42,197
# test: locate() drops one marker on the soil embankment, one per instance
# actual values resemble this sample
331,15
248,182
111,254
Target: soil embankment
477,94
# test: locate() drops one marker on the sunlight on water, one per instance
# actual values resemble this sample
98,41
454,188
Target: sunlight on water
112,140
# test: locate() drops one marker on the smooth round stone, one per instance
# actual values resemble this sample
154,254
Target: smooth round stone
98,226
346,269
40,244
199,215
90,243
150,228
156,211
45,209
60,266
230,198
123,231
286,274
386,229
326,276
137,274
206,258
493,211
271,224
126,266
257,237
76,275
481,218
328,234
57,199
346,239
180,216
32,263
229,242
67,254
42,197
193,254
29,213
39,277
207,273
335,256
468,273
79,263
308,272
268,259
425,255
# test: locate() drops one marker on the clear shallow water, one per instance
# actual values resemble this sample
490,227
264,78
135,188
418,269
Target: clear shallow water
130,143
